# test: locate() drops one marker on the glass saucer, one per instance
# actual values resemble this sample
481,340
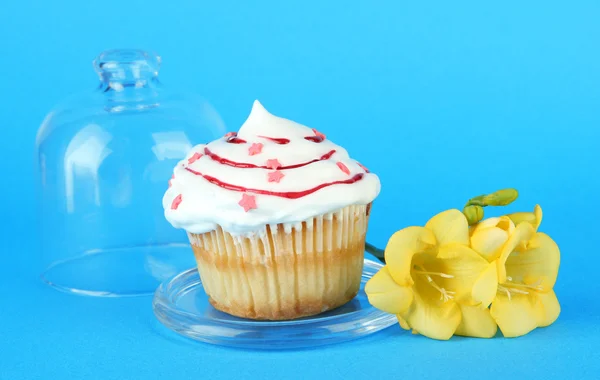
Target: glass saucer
182,305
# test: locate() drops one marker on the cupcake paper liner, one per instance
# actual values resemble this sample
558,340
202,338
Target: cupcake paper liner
287,271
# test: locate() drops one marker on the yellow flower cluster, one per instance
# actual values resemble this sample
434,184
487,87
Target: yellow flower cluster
449,278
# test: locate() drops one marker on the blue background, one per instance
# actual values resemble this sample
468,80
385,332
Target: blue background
444,100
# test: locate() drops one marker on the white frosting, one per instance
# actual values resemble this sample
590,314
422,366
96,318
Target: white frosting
205,205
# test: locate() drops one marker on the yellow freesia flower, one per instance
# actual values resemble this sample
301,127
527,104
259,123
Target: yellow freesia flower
434,282
528,263
467,276
527,271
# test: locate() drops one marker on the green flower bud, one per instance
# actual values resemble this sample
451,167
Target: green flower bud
501,197
477,201
473,213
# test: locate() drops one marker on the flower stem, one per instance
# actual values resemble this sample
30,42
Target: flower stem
377,252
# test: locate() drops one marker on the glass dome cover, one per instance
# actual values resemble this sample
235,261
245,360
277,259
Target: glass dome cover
104,160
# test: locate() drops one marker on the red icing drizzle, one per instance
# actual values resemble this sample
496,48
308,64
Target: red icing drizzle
364,168
315,139
319,134
283,194
236,140
194,158
276,140
225,161
343,167
176,202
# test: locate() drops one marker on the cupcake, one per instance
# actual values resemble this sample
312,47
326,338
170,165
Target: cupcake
276,215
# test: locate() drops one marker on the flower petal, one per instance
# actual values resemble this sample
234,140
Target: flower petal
534,218
401,248
476,322
537,266
436,321
488,242
517,315
463,264
403,322
450,226
486,286
386,295
502,222
537,211
523,216
551,309
528,244
429,314
523,232
487,223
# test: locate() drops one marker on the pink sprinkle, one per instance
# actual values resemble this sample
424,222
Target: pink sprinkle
273,164
176,202
171,180
194,158
276,176
248,202
365,169
229,134
343,168
319,134
255,148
